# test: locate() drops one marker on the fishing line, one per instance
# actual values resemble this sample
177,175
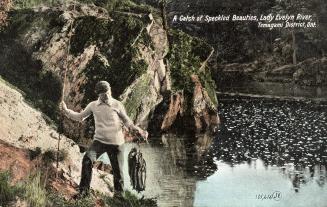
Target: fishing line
61,119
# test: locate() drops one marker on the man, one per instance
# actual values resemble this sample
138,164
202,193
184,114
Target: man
109,115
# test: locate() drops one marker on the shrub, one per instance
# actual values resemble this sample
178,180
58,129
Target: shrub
34,153
50,156
7,192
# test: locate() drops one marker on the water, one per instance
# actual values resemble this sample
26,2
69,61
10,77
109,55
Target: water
274,89
266,153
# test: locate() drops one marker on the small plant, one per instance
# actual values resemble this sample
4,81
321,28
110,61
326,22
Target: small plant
50,156
34,153
130,200
7,191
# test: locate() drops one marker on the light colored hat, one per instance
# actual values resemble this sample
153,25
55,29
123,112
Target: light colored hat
102,87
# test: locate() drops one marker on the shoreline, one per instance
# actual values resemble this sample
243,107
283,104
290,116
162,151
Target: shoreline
273,97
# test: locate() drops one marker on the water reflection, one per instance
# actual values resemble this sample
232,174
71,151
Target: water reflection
281,133
174,164
242,184
263,146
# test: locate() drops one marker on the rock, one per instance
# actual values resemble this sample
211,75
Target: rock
173,112
175,109
204,111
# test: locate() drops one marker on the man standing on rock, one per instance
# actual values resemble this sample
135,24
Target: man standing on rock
109,116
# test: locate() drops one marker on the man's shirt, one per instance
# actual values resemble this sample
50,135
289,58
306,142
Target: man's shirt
109,119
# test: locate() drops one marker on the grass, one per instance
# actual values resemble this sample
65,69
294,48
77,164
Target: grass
8,192
34,192
59,201
130,200
127,200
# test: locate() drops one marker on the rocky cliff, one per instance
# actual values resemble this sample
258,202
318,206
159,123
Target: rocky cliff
127,47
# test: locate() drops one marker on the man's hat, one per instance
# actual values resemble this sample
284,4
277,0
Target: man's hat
102,87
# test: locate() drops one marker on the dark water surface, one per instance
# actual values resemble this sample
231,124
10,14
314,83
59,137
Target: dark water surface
267,153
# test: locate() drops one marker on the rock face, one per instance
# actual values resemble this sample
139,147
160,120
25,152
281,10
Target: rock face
204,112
78,45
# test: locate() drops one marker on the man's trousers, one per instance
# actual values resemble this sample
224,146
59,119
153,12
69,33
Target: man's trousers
115,154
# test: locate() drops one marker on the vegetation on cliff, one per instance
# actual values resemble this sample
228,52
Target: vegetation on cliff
120,64
186,56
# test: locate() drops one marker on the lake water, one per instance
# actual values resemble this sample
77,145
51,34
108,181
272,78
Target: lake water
266,153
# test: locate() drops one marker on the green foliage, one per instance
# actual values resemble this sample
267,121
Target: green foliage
139,92
210,86
35,194
116,36
42,87
8,192
50,156
200,48
34,153
120,64
130,200
130,6
24,20
34,191
182,61
59,201
185,58
34,3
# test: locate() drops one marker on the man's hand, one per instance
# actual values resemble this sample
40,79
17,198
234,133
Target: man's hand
143,133
63,106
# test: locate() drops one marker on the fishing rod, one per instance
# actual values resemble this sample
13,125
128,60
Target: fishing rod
61,119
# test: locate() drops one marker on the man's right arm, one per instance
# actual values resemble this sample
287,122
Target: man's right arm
76,115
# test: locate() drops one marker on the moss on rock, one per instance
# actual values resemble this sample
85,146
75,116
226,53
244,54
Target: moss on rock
27,32
139,91
114,40
24,21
